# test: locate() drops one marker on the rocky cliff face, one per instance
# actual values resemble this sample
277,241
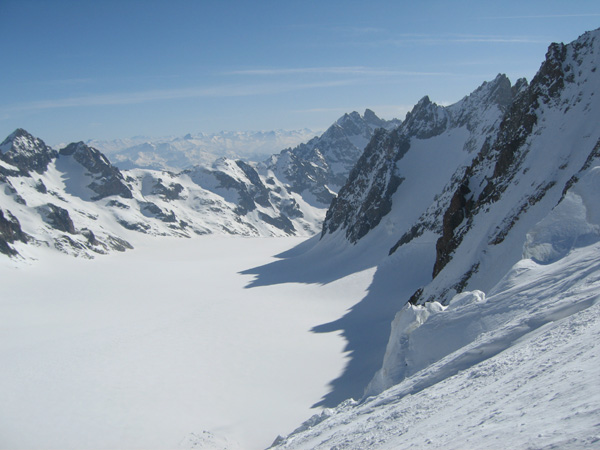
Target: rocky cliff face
448,136
367,196
106,179
320,167
546,138
10,231
502,153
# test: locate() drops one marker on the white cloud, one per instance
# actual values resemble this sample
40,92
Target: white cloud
342,70
544,16
128,98
464,39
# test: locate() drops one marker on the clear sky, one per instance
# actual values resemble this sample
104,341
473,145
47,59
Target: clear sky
77,70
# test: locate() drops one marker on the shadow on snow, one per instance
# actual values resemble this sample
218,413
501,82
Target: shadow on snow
366,326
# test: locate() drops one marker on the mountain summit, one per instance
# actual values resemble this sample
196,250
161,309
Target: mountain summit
318,168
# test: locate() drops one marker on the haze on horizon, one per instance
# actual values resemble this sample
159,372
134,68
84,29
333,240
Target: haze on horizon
78,70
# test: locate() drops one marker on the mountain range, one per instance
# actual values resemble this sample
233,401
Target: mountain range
182,152
75,200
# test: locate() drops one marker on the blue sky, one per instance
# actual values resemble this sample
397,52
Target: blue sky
77,70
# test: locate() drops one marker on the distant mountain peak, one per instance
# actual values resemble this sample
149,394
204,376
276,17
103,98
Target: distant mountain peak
19,132
26,152
107,179
322,165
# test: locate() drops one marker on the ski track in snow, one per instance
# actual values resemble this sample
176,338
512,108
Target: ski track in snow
163,347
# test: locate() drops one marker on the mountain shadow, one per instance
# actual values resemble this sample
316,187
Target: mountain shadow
366,326
311,264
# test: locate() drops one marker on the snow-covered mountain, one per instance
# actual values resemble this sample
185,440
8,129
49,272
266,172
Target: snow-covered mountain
416,159
482,220
76,201
320,167
179,153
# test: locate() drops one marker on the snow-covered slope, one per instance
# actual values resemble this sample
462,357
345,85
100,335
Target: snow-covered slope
410,164
547,140
179,153
517,368
404,174
446,207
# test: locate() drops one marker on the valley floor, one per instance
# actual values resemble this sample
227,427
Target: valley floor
164,346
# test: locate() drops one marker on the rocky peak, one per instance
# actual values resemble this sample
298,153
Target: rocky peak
371,118
498,93
107,179
426,120
322,165
519,86
499,90
89,157
26,152
349,118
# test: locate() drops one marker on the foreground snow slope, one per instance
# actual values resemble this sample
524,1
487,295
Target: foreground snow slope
163,347
521,370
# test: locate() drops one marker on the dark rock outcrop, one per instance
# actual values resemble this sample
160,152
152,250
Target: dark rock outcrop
150,209
281,222
26,153
171,192
366,197
504,155
107,179
57,217
10,232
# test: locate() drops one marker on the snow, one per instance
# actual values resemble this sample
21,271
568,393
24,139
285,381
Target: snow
573,223
7,166
163,346
523,372
565,134
513,367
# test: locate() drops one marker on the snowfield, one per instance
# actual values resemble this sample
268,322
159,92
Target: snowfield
163,347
